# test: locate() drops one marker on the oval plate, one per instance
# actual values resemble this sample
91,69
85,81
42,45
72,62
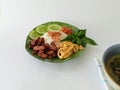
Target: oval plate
55,60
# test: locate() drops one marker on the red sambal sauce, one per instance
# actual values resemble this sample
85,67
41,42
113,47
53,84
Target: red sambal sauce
66,30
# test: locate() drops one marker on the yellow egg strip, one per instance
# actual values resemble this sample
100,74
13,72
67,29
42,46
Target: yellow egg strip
68,48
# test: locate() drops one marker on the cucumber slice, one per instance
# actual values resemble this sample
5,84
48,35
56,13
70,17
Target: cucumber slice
33,34
54,27
42,29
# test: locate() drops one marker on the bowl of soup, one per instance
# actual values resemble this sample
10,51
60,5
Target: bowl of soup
111,63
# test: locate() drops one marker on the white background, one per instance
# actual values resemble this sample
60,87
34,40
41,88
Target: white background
20,71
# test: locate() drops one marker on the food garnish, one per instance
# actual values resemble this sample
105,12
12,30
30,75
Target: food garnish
80,38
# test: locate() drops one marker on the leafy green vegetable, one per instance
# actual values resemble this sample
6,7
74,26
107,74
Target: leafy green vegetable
90,41
80,38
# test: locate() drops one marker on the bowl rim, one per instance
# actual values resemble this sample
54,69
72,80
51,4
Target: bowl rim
110,77
104,67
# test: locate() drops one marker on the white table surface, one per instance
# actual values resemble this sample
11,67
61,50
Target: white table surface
20,71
